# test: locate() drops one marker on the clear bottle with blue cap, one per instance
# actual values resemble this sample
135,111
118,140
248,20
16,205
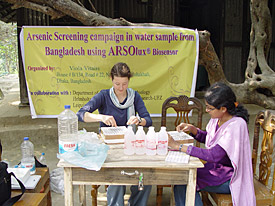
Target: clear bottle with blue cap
27,150
42,159
67,130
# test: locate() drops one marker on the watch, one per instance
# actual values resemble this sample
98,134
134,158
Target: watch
181,145
139,119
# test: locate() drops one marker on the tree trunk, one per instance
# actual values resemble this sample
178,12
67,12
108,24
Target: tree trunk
209,59
259,77
259,85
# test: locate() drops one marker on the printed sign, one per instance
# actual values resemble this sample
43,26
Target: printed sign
69,65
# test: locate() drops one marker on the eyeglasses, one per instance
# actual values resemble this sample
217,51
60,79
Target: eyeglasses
209,109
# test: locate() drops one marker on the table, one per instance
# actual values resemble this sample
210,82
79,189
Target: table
43,186
31,199
154,168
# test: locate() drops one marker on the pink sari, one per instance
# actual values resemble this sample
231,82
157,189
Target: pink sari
233,137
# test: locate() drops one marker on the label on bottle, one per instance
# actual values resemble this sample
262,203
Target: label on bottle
162,146
140,143
133,143
151,145
67,146
130,144
29,166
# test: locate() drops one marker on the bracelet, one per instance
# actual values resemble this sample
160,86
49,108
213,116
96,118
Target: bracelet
181,145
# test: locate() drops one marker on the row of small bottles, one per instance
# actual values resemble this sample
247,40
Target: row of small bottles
150,144
139,143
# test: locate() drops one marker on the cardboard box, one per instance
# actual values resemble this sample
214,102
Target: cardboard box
181,137
112,133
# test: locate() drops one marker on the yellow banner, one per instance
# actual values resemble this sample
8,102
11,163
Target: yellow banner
68,65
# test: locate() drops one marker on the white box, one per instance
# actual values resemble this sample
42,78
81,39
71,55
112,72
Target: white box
22,174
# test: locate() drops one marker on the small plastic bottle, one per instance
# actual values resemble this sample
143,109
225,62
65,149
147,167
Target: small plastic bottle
140,141
67,130
27,160
129,141
151,141
42,159
162,146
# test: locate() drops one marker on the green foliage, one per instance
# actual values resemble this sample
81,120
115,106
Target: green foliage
8,49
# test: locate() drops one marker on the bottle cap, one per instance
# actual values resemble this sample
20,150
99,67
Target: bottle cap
67,106
26,138
43,153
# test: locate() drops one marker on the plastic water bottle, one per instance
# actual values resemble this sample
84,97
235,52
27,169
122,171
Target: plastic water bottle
151,141
140,141
42,159
27,160
162,146
67,130
129,141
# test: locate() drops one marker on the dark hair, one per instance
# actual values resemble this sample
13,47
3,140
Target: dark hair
120,70
220,95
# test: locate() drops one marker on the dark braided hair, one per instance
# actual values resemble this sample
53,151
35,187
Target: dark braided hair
121,70
220,95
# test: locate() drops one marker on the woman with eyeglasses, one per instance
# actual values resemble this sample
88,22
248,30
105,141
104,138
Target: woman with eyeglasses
227,150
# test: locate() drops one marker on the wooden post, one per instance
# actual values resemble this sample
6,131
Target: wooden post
82,195
191,188
68,184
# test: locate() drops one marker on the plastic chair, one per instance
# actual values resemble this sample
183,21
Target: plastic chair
264,124
183,106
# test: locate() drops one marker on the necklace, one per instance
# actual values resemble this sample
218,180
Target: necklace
220,123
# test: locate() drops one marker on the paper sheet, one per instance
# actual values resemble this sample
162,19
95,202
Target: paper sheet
177,156
29,184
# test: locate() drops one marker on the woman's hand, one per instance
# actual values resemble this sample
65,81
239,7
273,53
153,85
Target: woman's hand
184,127
109,120
133,120
172,144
